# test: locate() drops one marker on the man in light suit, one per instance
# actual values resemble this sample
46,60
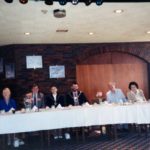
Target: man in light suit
75,97
34,98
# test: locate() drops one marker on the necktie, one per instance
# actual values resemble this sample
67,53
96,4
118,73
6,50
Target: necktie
35,99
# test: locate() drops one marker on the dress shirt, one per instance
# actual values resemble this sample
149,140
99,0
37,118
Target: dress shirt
115,97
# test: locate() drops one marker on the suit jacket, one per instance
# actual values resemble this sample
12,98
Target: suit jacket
70,100
7,107
49,100
132,97
39,101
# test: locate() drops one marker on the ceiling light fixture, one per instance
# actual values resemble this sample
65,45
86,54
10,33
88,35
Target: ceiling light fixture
148,32
88,2
59,13
62,2
49,2
75,2
62,30
9,1
118,11
23,1
91,33
27,33
99,2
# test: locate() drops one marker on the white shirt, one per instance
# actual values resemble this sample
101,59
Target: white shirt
75,97
115,97
35,97
55,97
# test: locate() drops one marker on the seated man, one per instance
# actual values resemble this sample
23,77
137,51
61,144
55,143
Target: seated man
54,98
34,98
75,97
114,95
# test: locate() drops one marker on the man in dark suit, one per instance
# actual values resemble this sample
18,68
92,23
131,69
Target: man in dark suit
34,98
75,97
54,98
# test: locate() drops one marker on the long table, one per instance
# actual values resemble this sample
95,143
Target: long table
77,116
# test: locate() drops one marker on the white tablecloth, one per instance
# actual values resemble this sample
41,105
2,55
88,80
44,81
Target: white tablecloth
74,117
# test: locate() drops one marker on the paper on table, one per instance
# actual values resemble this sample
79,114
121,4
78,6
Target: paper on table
34,108
59,106
86,104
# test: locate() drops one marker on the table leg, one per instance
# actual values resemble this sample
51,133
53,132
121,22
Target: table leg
48,137
83,134
115,132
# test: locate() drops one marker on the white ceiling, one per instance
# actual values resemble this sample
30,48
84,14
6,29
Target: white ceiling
16,19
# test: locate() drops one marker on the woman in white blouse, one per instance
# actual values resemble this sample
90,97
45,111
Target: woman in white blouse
135,94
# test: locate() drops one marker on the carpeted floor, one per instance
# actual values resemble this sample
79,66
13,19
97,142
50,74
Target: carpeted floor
125,141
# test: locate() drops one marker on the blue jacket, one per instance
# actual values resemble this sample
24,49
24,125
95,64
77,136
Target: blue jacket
7,107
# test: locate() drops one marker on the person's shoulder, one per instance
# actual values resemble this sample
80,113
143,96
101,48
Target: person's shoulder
47,95
81,92
69,93
60,94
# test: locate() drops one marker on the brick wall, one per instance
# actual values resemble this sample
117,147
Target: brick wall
61,54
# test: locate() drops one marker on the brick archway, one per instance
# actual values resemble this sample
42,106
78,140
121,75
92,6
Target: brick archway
140,50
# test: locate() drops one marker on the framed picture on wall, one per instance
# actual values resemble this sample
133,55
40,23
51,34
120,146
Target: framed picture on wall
57,71
10,71
34,62
1,65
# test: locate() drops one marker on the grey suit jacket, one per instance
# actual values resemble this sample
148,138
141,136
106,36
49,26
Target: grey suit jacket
39,101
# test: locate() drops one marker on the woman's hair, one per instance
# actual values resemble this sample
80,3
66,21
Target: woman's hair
133,83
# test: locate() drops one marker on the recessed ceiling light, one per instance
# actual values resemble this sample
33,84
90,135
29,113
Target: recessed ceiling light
118,11
27,33
148,32
91,33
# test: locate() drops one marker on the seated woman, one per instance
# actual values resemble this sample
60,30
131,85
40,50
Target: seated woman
135,94
9,104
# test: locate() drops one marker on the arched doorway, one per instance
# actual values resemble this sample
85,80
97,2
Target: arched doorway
94,73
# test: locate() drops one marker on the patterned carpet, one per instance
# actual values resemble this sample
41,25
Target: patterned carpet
125,141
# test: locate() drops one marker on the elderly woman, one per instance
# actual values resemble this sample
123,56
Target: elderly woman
135,94
9,104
